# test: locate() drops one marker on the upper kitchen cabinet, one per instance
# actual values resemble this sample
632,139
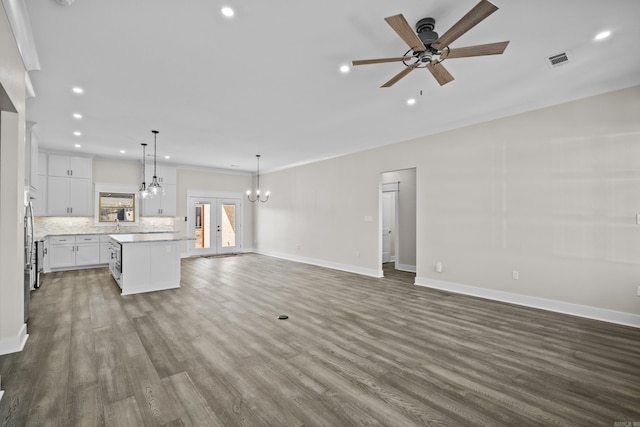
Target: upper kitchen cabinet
166,174
69,166
69,185
68,196
164,205
31,158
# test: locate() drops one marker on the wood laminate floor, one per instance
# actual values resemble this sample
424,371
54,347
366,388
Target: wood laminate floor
354,351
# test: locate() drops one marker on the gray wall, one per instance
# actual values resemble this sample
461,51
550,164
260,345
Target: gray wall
551,193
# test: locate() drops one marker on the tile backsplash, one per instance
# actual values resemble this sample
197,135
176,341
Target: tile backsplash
47,225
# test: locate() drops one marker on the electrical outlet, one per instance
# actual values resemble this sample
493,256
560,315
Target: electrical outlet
639,291
439,267
516,275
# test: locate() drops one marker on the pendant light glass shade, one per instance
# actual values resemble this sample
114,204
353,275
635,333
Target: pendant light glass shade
257,197
155,189
143,192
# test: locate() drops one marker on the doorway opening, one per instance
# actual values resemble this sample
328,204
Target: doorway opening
398,225
215,224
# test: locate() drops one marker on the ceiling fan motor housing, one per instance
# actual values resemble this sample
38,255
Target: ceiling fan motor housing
425,27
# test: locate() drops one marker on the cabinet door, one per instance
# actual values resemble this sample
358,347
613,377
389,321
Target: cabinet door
57,196
105,252
40,203
62,255
42,163
151,207
166,174
79,197
80,167
58,165
88,254
168,207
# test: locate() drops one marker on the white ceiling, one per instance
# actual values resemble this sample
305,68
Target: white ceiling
267,81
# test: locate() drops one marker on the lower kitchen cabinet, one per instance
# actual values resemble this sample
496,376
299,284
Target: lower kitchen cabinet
73,251
105,253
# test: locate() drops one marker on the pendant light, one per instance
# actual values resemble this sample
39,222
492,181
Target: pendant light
154,188
142,191
257,197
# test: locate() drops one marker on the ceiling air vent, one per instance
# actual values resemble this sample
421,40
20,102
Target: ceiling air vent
558,60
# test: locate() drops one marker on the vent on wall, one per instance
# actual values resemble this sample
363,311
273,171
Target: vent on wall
558,60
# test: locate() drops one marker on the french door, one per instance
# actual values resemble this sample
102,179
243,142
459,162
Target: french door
214,223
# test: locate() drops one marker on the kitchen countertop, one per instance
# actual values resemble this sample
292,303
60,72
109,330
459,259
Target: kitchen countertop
100,233
148,237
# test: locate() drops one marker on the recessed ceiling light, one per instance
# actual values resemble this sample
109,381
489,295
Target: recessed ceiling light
603,35
344,69
227,11
122,151
77,145
77,90
411,101
167,157
77,115
77,133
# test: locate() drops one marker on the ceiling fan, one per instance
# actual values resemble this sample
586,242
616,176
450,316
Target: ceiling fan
428,50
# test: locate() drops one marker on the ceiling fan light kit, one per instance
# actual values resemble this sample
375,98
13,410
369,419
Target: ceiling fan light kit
427,49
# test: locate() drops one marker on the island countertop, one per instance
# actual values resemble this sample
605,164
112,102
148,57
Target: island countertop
148,237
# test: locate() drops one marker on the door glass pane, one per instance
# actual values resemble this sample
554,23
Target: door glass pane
202,225
228,225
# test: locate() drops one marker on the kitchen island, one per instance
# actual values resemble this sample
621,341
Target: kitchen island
145,262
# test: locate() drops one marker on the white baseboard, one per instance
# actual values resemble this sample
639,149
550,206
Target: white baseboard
405,267
16,343
588,312
323,263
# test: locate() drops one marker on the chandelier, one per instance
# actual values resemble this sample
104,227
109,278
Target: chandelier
257,197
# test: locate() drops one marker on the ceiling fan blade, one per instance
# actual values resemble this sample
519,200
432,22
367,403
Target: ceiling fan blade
380,60
406,33
440,73
478,50
467,22
400,75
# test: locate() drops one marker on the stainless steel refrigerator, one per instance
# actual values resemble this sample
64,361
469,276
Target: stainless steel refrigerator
29,257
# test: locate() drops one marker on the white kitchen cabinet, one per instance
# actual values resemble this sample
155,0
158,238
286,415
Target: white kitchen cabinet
87,250
74,251
40,202
42,163
68,196
161,205
62,255
31,157
105,252
69,166
166,174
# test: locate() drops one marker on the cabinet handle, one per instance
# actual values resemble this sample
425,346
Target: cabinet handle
71,210
71,172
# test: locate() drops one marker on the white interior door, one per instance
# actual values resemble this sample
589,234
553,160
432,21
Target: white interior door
214,223
386,227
